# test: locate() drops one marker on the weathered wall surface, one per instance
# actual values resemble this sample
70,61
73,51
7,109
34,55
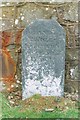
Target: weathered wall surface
19,16
51,1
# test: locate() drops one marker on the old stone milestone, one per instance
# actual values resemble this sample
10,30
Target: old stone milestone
43,59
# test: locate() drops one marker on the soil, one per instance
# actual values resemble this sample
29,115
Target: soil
38,102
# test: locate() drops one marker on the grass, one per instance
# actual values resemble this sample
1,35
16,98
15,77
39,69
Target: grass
1,106
23,111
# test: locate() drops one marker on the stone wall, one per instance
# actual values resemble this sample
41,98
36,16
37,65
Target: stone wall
17,16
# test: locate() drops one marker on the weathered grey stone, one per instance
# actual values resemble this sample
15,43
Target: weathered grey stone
43,58
71,12
71,54
74,73
51,1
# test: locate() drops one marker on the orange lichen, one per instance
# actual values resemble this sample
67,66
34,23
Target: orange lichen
18,36
6,61
6,37
8,68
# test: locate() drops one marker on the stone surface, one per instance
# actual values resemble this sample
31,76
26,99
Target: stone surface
1,86
43,58
71,12
42,1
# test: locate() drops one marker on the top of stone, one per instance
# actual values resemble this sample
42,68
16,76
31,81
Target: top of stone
44,30
39,26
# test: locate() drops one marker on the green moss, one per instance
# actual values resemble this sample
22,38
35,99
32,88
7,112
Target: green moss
18,112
